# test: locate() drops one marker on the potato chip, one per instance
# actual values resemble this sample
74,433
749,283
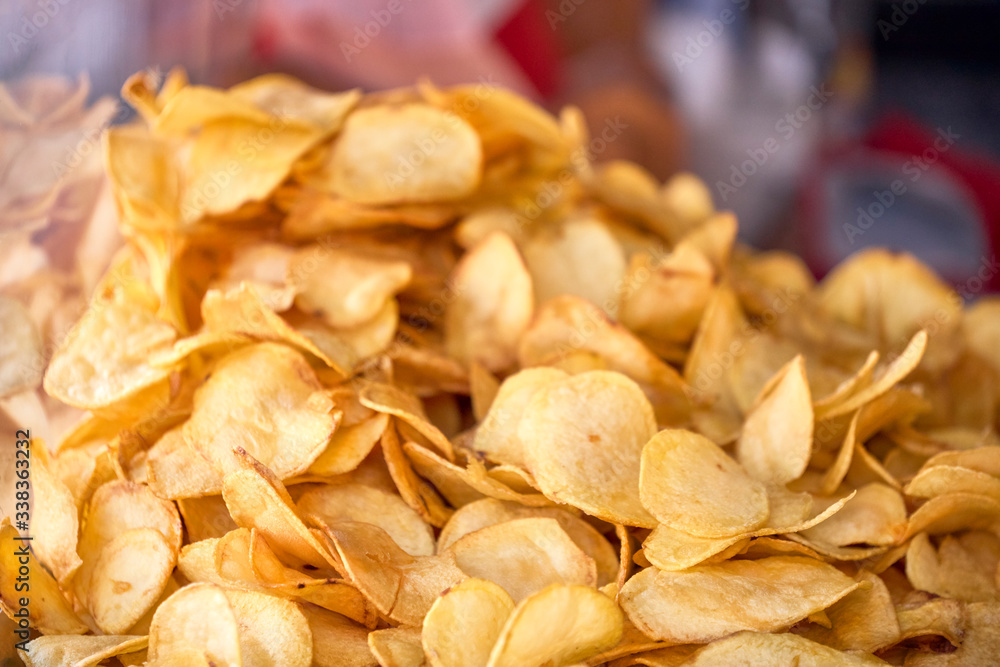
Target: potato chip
579,257
356,502
876,516
707,602
493,304
337,641
407,153
271,631
776,440
524,556
364,284
962,567
256,499
54,522
105,358
559,625
397,647
392,401
496,437
195,623
569,324
463,624
590,458
79,651
402,587
488,512
754,648
130,574
236,407
677,466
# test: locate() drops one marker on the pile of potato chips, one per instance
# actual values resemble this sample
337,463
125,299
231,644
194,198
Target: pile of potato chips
410,378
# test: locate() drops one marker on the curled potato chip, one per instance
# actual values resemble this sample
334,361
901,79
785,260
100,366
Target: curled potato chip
683,279
568,324
176,470
115,509
876,515
524,556
105,358
489,511
776,440
443,156
392,401
559,625
677,467
962,567
266,400
256,499
754,648
497,436
364,284
463,624
357,502
400,586
580,257
197,620
708,602
493,305
54,520
272,631
131,573
397,647
935,480
74,651
863,620
589,457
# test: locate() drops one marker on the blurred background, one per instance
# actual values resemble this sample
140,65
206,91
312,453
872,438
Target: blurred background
827,125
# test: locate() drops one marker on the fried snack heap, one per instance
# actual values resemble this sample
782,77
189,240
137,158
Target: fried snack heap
410,378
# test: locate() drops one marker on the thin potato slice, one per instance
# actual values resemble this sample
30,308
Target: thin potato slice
776,440
273,632
131,572
357,502
462,625
198,621
708,602
266,400
443,156
524,556
493,306
678,466
583,438
79,651
559,625
755,649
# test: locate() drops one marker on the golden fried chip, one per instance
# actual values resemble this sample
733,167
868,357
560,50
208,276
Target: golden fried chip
755,649
493,305
708,602
559,625
679,467
524,556
583,437
408,153
74,651
357,502
463,624
776,440
266,400
197,620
